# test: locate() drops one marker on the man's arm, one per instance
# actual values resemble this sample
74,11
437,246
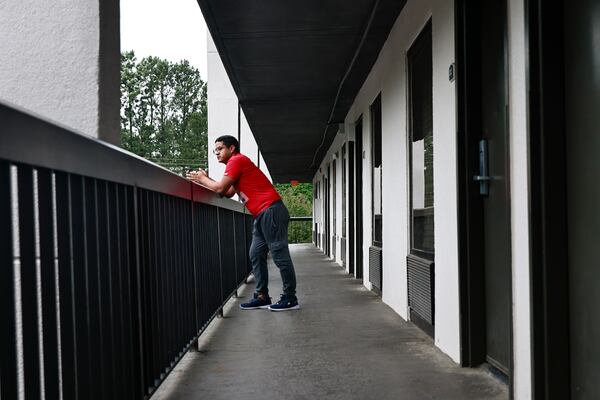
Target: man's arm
231,191
224,187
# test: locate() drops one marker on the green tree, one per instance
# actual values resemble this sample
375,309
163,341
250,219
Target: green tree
298,200
164,112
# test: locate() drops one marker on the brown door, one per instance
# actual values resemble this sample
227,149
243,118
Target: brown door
582,123
358,270
494,157
351,219
326,214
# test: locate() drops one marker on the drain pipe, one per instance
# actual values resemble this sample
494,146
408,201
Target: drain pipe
337,96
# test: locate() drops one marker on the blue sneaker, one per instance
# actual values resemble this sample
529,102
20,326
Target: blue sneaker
259,300
287,302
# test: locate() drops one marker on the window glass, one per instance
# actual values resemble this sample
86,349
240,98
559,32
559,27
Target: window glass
421,144
376,172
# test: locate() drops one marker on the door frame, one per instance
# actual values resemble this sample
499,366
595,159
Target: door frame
358,204
326,212
334,216
350,225
470,204
548,201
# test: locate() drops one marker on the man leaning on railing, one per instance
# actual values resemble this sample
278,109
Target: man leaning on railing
271,218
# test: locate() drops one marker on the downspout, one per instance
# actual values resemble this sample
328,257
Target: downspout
350,66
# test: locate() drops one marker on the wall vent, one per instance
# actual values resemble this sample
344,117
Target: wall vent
375,267
421,291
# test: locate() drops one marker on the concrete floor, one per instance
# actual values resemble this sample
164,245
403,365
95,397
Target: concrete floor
343,343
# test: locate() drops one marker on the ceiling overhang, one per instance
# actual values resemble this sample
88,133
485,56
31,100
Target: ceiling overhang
296,67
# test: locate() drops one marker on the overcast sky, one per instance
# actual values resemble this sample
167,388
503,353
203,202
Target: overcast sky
171,29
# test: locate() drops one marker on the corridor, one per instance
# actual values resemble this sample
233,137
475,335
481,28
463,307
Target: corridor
344,343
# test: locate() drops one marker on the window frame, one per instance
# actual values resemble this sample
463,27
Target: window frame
423,39
376,162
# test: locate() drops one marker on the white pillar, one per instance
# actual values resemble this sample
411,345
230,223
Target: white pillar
61,61
223,115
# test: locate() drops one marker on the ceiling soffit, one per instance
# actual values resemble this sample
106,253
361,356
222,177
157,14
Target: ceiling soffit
296,67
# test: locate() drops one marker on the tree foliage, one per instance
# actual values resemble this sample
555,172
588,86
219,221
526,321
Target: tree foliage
298,200
164,112
164,119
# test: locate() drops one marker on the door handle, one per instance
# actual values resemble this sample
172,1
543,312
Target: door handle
483,178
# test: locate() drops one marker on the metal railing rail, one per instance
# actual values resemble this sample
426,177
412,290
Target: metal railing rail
295,232
301,219
110,266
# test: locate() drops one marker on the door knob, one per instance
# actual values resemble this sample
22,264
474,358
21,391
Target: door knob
483,178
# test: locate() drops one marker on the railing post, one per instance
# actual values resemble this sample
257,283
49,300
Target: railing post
220,259
247,245
194,260
194,347
8,362
122,255
235,260
137,285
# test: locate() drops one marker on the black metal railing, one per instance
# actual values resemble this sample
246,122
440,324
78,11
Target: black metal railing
300,230
110,266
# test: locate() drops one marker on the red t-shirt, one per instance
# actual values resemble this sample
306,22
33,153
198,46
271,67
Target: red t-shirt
253,187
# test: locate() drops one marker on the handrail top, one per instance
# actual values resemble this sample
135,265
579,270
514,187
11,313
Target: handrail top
27,138
306,218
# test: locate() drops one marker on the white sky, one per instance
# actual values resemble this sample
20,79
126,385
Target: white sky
171,29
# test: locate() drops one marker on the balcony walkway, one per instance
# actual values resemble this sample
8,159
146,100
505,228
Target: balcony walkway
343,344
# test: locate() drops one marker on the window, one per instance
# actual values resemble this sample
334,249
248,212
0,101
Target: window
376,172
421,144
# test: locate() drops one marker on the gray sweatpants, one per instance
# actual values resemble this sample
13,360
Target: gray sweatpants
270,233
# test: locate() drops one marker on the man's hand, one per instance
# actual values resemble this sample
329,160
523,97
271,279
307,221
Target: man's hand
197,176
224,187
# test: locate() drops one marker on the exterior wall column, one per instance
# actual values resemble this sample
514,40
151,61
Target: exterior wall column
223,115
61,61
519,201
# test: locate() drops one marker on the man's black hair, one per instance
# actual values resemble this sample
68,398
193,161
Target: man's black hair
229,140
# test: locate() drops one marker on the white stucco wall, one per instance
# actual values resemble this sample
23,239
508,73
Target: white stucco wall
223,114
519,172
50,60
336,147
337,151
447,302
222,106
317,205
364,99
388,76
248,145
